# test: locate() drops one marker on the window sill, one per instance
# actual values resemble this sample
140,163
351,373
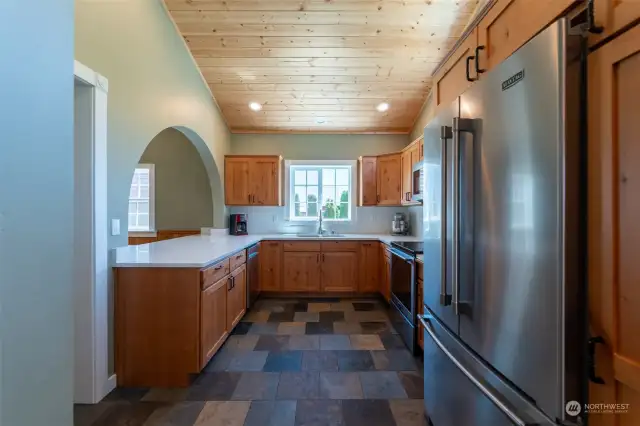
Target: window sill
297,220
143,234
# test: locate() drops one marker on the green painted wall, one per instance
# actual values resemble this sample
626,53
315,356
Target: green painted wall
36,213
182,188
317,147
153,85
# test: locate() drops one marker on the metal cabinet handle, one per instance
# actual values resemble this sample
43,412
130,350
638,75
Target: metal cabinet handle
593,341
229,287
478,69
426,324
217,268
445,299
469,59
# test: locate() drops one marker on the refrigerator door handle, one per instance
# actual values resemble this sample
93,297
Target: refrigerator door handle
445,299
459,125
426,324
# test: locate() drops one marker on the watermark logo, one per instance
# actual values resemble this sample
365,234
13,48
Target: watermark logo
573,408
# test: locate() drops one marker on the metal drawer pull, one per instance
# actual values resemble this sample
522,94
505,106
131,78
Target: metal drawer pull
424,320
217,268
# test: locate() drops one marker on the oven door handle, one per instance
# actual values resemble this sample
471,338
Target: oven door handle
402,255
425,320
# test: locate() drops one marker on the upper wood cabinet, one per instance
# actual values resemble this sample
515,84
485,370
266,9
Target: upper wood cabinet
508,25
236,181
369,267
614,230
271,266
455,75
613,15
339,271
410,157
301,271
253,180
389,173
265,181
367,181
213,320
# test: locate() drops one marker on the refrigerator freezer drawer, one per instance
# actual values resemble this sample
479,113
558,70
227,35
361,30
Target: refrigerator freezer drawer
460,390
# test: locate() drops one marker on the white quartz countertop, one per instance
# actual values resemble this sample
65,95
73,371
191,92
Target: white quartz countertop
198,251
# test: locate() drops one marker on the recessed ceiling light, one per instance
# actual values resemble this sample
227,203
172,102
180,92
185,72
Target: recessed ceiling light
320,120
383,107
255,106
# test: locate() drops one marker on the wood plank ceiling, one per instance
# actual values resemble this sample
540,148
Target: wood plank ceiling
320,65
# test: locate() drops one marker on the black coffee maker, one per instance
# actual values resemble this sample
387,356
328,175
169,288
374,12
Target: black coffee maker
238,224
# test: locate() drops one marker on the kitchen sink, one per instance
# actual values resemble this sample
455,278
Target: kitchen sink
316,235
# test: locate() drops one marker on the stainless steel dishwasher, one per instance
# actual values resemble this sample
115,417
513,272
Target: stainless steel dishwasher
253,274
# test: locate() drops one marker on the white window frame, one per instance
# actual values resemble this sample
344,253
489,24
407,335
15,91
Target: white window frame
138,231
289,203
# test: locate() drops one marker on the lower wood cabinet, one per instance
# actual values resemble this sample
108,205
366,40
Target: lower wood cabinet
385,273
271,266
339,271
301,271
236,296
213,319
369,277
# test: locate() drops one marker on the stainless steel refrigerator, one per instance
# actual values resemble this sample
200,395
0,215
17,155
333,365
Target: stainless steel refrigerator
503,284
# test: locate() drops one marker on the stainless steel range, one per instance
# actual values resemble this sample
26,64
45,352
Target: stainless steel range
504,295
403,290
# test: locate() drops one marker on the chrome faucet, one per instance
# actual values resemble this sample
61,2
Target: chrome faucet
320,230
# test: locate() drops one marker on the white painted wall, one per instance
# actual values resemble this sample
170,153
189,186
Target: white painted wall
36,213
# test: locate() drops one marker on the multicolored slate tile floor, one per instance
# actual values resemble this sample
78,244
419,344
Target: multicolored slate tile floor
288,363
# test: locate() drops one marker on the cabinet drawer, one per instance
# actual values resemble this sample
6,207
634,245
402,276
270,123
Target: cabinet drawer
340,245
214,273
387,252
238,260
301,246
253,249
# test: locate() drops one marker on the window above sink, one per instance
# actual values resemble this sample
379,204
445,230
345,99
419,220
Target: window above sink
320,186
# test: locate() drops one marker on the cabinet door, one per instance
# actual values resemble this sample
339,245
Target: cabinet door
339,271
614,229
301,271
511,23
271,266
236,181
385,287
451,80
389,180
265,181
236,297
368,181
369,267
213,320
406,176
613,15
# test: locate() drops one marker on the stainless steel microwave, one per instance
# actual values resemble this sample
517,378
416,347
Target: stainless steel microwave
417,181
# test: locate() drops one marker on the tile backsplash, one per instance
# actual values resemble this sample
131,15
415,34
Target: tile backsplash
366,220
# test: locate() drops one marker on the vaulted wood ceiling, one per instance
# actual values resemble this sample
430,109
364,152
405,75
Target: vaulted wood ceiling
320,65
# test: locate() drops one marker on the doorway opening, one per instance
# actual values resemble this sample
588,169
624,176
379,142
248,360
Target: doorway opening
90,249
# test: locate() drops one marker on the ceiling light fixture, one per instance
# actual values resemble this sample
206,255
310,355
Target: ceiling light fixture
383,107
320,120
255,106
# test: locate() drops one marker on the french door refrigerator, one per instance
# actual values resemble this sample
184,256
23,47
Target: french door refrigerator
503,284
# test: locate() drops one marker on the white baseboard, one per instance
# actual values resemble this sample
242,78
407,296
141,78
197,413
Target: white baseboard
111,384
